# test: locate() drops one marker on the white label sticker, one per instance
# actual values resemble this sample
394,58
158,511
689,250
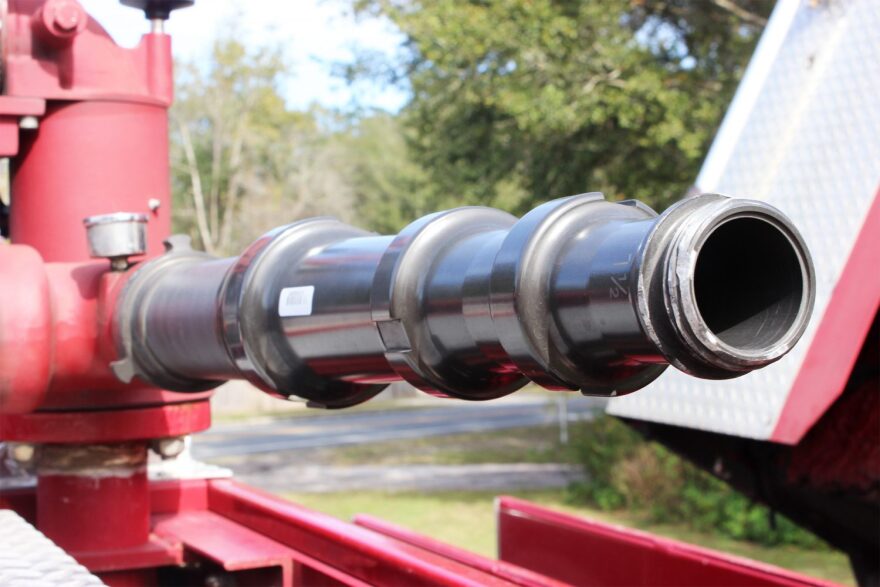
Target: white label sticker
296,301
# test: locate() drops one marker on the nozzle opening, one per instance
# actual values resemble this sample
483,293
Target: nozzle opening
749,284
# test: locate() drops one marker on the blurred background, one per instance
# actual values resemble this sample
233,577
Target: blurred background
379,111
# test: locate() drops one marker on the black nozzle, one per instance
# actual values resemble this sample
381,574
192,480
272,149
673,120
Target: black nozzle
158,9
580,293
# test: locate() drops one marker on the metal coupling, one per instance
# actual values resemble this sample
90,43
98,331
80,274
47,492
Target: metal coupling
579,294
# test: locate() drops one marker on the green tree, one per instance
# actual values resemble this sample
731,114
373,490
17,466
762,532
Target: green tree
242,160
518,101
389,187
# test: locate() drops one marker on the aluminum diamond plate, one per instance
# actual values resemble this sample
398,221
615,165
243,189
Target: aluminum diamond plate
29,559
803,133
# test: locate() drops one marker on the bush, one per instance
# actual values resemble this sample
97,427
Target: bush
599,445
625,471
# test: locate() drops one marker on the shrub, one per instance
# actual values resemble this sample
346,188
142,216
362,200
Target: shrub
625,471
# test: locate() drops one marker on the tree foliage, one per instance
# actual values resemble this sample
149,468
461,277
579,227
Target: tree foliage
518,101
627,472
388,185
242,161
513,102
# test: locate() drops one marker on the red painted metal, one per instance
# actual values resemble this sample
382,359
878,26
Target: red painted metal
133,578
137,561
81,349
357,552
180,511
264,540
55,340
101,147
55,182
169,497
229,545
241,529
66,506
107,426
841,453
586,552
839,338
76,482
121,129
107,111
11,111
503,569
58,22
15,107
25,331
88,66
22,500
72,342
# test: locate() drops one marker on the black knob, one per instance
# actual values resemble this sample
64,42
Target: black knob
158,9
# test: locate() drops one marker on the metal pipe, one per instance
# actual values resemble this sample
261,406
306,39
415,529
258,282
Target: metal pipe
580,293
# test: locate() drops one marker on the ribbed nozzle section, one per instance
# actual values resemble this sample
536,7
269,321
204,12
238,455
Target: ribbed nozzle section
580,293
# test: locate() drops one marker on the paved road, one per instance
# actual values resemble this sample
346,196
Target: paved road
293,478
341,429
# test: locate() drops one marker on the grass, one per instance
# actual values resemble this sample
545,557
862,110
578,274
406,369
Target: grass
467,519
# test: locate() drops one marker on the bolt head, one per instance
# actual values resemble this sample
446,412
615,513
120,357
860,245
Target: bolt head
22,452
29,123
67,16
168,448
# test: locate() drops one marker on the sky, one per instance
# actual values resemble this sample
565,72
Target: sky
314,33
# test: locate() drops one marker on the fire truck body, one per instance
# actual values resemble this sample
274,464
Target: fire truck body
90,349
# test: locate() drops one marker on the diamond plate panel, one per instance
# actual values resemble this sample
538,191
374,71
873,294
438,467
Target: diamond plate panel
29,559
810,145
